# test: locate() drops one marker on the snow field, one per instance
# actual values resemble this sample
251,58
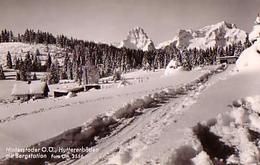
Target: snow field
152,129
102,125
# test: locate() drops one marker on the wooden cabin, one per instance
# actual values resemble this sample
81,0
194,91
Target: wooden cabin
91,86
64,92
227,59
26,91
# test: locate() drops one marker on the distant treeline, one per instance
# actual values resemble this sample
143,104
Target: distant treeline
81,55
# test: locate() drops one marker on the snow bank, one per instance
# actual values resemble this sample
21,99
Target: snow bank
240,128
124,83
254,103
202,158
249,59
231,138
84,136
181,155
70,95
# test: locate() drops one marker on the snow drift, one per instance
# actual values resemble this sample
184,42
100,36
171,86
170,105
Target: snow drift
230,138
171,68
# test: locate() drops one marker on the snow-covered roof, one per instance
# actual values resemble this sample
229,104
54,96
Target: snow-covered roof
23,88
70,89
227,57
37,88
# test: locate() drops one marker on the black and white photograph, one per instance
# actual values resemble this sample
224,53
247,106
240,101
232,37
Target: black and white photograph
129,82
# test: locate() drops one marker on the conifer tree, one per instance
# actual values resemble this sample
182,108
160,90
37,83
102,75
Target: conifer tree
17,77
9,63
28,62
48,62
54,77
238,49
17,64
36,64
34,76
247,43
186,60
66,61
23,71
2,75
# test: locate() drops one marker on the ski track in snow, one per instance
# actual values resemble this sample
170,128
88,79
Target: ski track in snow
146,129
14,117
40,110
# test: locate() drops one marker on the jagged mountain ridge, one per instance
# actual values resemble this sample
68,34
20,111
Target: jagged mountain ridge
221,34
137,39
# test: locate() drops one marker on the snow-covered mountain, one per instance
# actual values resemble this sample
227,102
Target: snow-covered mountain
220,34
137,39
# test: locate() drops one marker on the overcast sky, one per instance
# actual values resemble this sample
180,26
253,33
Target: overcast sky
110,20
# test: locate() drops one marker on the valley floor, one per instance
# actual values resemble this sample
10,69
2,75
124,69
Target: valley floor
23,124
166,133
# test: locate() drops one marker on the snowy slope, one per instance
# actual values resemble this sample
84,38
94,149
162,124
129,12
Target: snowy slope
69,113
167,134
137,39
164,133
221,34
19,50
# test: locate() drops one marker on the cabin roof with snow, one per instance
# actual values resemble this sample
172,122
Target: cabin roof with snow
227,57
34,88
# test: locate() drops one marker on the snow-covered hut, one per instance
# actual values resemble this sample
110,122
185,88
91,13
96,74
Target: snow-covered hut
227,59
65,91
24,90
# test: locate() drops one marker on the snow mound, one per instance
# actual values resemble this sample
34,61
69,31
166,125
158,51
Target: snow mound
233,137
240,128
202,158
254,103
124,83
249,59
171,68
70,95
